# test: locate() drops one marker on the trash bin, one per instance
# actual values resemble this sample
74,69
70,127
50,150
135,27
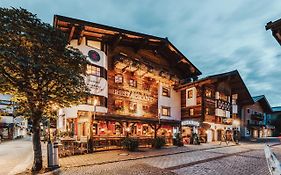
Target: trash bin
53,156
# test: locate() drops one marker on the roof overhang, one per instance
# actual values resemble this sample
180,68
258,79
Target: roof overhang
77,29
235,81
275,27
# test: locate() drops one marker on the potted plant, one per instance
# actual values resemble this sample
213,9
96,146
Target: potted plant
158,142
130,144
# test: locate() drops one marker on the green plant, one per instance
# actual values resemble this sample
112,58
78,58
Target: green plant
178,140
130,144
158,142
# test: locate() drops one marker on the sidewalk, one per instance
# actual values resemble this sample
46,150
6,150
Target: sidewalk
105,157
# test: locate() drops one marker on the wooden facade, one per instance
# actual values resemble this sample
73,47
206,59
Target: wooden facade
214,102
142,72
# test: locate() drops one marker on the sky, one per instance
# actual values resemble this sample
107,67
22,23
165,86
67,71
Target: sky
216,36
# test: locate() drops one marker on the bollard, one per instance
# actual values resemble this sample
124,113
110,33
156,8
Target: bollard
53,155
56,155
50,154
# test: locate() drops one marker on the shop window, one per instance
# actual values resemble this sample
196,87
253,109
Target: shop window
190,94
166,111
191,112
91,101
93,70
145,130
133,83
133,107
208,93
118,79
165,92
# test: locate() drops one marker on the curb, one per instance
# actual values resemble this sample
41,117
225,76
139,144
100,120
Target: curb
57,171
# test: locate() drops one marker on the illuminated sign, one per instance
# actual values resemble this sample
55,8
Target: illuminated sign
137,95
189,123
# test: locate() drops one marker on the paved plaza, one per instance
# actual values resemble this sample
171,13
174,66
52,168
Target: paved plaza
242,159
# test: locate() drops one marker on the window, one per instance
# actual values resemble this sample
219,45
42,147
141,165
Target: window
118,79
133,83
248,111
91,101
191,112
146,86
190,94
133,107
118,105
165,92
93,70
207,112
145,108
208,93
166,111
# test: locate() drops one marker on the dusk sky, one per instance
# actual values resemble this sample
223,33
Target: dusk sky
216,36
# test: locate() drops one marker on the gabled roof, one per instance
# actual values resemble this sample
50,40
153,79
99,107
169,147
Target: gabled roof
275,27
76,28
276,109
263,101
237,85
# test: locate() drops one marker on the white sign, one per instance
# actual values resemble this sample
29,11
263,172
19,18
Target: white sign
189,122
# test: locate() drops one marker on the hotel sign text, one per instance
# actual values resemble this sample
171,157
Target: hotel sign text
137,95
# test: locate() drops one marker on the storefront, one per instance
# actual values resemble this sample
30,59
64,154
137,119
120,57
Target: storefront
189,128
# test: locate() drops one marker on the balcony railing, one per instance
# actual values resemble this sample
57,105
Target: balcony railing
257,117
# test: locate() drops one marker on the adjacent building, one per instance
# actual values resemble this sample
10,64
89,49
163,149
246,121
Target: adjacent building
274,119
275,27
212,105
132,77
254,123
11,126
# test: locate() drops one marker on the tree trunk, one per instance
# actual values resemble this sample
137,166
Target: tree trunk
37,161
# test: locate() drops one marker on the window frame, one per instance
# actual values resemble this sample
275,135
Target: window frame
118,77
188,94
168,111
167,93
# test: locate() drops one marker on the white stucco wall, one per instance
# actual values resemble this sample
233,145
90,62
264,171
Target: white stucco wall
191,101
173,102
101,84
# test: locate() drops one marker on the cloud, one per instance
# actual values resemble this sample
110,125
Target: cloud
216,36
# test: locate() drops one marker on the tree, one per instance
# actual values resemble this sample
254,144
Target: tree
38,68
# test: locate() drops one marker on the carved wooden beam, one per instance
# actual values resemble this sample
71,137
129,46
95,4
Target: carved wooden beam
117,40
80,35
71,33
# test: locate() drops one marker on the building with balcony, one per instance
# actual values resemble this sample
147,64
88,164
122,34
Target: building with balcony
274,119
132,78
254,119
210,105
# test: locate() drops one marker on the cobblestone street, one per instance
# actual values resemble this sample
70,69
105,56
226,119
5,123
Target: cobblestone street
242,159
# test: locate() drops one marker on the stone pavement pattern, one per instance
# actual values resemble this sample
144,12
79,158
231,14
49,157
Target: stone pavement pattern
15,156
244,159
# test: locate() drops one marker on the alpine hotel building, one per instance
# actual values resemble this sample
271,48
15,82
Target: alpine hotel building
132,77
